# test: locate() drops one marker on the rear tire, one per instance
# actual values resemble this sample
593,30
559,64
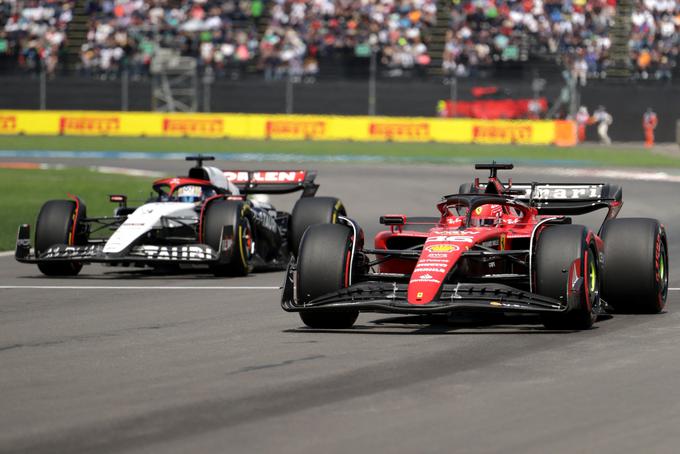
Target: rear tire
54,226
635,272
322,268
560,252
225,213
310,211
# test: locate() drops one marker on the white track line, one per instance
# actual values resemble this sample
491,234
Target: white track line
6,253
640,175
139,287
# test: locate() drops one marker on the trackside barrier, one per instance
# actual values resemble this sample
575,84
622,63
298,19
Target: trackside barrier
287,127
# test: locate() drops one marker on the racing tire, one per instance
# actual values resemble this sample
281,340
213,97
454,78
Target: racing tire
54,226
323,267
561,251
235,261
310,211
635,271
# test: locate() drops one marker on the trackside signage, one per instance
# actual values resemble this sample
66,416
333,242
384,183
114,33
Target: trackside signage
287,127
199,127
89,125
8,124
403,131
295,129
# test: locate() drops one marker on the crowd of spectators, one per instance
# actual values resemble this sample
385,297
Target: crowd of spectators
655,38
301,31
219,33
483,32
576,33
33,32
223,34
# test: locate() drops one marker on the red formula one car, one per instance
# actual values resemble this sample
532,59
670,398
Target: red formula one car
492,247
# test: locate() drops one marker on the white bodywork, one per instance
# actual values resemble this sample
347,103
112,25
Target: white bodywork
217,178
146,218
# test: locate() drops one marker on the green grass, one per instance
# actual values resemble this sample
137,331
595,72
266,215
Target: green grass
432,152
24,192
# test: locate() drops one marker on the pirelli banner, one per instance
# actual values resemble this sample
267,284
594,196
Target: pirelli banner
287,127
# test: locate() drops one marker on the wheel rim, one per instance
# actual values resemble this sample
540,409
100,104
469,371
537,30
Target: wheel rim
663,275
593,282
247,240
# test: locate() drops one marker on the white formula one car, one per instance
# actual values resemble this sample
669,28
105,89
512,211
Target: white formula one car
204,218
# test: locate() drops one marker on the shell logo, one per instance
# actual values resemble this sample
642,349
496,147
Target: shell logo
442,248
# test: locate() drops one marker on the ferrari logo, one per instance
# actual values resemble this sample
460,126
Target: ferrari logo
442,248
419,295
501,244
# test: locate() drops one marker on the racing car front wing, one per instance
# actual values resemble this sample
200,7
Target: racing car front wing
94,253
376,296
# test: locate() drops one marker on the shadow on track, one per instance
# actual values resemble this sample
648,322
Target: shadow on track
145,274
459,324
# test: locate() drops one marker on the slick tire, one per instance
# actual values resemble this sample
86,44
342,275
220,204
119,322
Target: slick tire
322,267
561,251
234,261
635,272
54,226
310,211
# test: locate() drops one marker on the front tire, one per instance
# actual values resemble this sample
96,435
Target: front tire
234,261
563,255
322,267
635,272
310,211
55,226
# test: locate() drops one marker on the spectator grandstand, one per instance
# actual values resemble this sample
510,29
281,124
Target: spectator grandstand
575,33
280,37
33,33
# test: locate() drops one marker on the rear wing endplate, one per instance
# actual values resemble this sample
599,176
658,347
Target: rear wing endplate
273,181
569,198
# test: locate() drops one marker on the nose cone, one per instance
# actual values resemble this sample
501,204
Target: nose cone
431,270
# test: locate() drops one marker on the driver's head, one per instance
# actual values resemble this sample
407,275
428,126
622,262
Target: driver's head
189,193
488,214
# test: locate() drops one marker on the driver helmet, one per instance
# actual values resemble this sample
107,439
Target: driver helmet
190,193
488,214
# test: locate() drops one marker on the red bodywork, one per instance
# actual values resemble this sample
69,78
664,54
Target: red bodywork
510,227
494,109
445,243
173,183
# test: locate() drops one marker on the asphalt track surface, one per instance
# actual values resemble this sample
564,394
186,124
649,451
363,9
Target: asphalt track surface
139,365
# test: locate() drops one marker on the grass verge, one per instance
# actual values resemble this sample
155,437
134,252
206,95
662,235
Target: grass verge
24,192
582,155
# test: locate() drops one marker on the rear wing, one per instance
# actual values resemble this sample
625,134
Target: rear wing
273,181
569,198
